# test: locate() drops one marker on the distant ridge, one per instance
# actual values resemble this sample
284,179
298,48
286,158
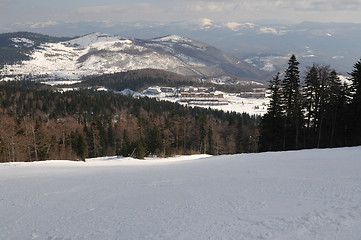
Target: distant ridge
99,53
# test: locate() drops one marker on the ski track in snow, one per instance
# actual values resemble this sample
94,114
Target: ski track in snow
310,194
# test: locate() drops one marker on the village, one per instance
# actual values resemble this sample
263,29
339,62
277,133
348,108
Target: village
254,102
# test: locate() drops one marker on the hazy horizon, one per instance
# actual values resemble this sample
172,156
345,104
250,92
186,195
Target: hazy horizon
35,16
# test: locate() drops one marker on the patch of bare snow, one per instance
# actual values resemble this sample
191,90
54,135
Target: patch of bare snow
26,42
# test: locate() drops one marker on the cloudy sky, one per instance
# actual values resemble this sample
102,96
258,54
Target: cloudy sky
38,13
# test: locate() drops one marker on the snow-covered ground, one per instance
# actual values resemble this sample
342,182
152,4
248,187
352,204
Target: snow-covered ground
310,194
252,106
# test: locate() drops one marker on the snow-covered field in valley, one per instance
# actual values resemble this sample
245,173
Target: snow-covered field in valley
310,194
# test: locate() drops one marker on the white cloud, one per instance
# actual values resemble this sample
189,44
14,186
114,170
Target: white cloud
268,30
234,26
211,12
43,24
206,22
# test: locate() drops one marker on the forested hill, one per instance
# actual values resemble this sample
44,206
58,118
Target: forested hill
138,80
15,47
38,124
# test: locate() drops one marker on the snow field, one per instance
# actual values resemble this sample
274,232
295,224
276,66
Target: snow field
310,194
252,106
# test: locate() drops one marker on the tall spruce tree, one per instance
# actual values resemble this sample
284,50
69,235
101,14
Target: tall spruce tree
154,141
311,102
271,137
356,104
324,73
292,105
336,117
324,106
239,137
210,149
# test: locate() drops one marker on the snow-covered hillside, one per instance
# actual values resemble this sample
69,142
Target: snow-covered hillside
99,53
92,54
310,194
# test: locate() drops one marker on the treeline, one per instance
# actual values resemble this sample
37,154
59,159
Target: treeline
138,80
40,124
322,112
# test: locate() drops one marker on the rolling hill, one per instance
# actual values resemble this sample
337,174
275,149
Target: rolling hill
98,53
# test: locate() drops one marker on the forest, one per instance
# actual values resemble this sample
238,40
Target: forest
39,123
138,80
323,112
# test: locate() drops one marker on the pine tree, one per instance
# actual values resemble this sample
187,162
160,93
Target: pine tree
271,137
126,146
356,103
141,149
336,110
210,149
292,105
154,140
202,132
102,138
239,137
311,102
79,145
110,136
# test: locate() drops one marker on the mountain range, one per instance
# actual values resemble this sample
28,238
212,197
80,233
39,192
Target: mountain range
99,53
265,45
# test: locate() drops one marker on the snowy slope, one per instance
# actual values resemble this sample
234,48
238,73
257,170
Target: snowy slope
311,194
99,53
92,54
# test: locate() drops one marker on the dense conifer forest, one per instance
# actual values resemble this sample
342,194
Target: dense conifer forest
322,112
39,123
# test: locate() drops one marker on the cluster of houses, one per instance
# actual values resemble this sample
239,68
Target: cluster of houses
201,95
256,93
191,95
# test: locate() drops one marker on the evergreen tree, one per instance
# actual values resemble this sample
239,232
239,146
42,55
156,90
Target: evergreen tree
110,136
292,106
271,137
311,102
141,149
324,73
356,104
336,119
102,138
154,140
239,137
210,149
79,145
126,146
202,132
